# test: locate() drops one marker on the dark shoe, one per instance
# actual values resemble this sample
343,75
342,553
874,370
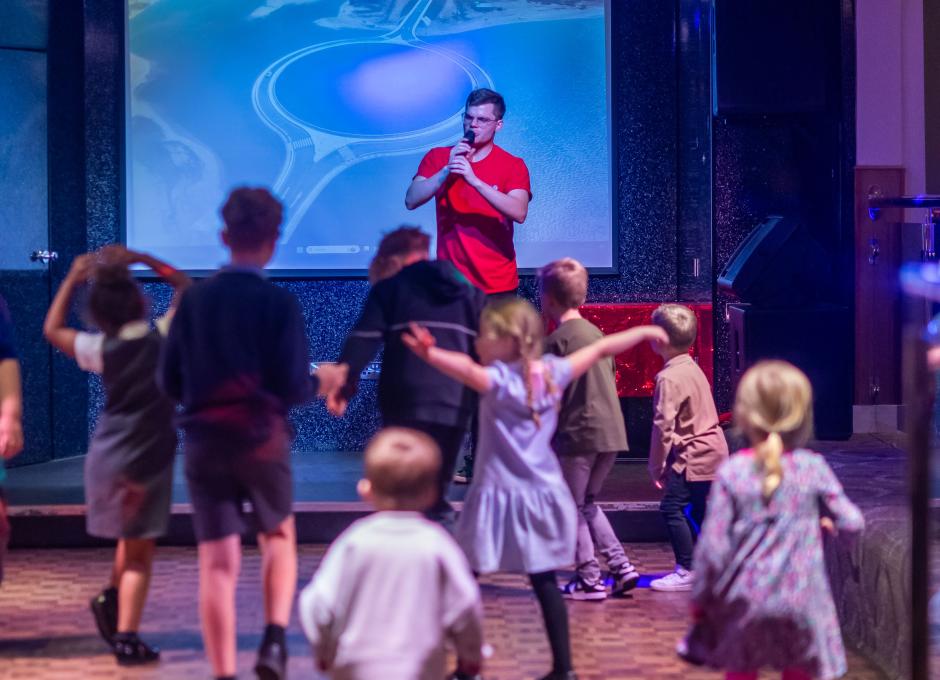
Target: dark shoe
464,473
130,650
569,675
272,661
624,582
104,607
579,589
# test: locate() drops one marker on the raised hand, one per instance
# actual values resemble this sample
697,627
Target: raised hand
461,149
116,255
418,339
81,267
461,166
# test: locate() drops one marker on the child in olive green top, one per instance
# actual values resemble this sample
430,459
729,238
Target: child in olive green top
589,435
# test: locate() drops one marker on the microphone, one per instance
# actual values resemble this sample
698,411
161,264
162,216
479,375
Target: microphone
469,136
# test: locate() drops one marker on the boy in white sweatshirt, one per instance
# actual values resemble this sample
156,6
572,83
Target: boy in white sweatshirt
394,587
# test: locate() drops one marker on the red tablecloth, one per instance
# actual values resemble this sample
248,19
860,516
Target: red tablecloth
637,369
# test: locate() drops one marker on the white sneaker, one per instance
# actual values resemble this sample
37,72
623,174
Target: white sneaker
677,581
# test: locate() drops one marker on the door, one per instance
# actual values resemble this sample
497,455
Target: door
24,230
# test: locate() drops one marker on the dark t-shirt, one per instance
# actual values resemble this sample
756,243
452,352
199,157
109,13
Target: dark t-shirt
236,356
590,420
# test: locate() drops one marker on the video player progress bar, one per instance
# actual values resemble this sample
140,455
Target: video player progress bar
331,250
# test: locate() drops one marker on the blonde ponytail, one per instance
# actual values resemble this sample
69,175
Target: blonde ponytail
774,408
529,392
518,320
769,453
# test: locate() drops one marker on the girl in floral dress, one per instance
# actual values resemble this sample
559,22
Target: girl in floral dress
761,596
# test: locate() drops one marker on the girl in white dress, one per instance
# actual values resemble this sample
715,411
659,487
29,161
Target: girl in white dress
518,514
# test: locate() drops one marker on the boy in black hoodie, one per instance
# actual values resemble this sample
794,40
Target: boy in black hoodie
408,287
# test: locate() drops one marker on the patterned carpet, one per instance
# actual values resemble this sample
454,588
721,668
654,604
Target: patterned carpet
46,630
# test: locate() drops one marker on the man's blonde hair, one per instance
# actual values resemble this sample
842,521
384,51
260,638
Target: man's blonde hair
565,281
774,409
402,465
679,323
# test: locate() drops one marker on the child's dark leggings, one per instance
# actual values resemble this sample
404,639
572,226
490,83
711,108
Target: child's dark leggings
555,616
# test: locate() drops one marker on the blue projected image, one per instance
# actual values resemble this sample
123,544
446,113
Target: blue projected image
333,103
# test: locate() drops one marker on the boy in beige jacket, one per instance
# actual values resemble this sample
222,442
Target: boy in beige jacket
687,445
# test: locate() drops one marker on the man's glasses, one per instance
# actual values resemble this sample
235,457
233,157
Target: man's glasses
478,119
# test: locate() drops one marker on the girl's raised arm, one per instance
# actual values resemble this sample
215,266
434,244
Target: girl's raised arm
457,365
118,254
611,345
55,329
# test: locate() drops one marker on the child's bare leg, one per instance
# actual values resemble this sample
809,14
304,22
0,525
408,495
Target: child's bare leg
279,571
796,674
734,675
134,582
117,568
219,564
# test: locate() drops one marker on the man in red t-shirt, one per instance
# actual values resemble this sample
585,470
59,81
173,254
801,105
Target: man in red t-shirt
481,191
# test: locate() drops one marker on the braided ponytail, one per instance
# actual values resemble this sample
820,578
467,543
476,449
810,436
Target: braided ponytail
774,408
769,453
529,392
517,319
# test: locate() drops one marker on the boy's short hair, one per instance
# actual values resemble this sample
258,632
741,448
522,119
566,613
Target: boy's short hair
484,95
393,247
402,464
406,239
252,218
679,323
565,281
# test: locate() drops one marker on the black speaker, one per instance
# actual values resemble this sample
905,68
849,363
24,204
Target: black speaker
778,265
817,340
770,56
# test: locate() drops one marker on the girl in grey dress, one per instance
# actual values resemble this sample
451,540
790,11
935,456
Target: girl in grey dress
518,514
761,595
129,466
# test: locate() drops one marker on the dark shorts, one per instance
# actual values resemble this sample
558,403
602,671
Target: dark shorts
223,475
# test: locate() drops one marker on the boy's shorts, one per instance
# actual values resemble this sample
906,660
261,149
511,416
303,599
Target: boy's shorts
222,476
4,530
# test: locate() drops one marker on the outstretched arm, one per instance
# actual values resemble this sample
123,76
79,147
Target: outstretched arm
611,345
456,365
55,329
